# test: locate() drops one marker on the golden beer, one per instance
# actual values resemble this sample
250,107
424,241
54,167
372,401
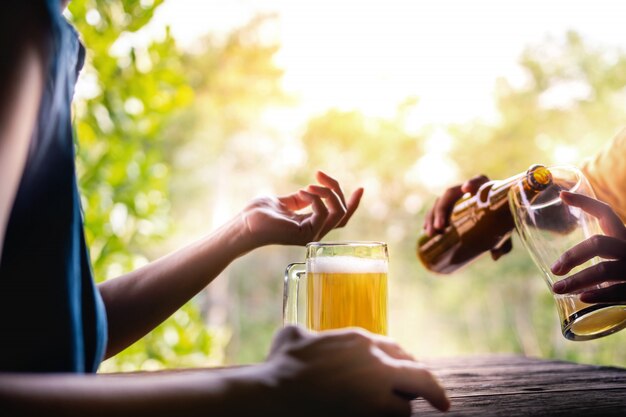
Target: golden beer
548,227
341,284
582,321
345,291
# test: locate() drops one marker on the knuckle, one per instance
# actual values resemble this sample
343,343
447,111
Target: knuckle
449,193
479,179
321,208
596,241
603,268
439,210
291,333
424,373
359,337
566,257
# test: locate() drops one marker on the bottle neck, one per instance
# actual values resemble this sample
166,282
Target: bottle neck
498,195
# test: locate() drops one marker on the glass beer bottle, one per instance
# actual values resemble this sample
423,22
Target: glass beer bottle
479,222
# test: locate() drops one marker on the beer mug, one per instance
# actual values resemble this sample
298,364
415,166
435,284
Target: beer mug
342,284
548,227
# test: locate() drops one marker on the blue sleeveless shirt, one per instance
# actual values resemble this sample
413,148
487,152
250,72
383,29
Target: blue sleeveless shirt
52,318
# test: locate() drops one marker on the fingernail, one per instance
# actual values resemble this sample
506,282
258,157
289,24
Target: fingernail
556,267
558,286
438,223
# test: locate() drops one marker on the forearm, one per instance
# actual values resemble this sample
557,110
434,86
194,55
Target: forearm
140,300
225,392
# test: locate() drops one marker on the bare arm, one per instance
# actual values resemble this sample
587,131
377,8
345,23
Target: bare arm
333,374
21,86
142,299
139,301
199,393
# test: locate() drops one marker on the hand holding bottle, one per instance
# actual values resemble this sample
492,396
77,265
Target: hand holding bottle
438,217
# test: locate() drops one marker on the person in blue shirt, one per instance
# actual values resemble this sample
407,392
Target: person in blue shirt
56,325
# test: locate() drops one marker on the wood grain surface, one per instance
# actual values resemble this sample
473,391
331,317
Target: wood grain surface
504,385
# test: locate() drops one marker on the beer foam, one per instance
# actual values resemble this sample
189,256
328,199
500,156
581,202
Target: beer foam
346,265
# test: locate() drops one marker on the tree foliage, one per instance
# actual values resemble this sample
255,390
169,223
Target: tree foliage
132,93
165,134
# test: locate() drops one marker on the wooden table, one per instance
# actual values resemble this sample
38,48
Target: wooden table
504,385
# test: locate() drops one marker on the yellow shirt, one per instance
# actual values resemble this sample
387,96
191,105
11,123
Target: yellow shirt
607,174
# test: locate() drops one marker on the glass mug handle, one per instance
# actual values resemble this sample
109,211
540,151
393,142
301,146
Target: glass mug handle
293,278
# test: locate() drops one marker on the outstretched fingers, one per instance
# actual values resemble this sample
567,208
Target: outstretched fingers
350,205
336,209
328,181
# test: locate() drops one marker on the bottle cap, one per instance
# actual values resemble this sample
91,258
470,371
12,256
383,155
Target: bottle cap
539,177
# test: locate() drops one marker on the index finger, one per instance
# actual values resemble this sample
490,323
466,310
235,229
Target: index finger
444,205
609,221
413,379
294,201
328,181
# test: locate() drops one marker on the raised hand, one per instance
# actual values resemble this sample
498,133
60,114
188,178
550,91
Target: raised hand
609,274
349,373
279,220
438,218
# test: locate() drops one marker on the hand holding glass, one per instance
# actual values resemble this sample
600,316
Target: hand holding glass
548,228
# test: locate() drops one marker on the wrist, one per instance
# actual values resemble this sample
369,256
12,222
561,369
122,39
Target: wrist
248,239
259,385
235,237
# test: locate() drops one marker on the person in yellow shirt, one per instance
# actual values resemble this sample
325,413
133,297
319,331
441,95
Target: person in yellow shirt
606,172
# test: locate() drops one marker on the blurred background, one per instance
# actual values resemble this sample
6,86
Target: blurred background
188,109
